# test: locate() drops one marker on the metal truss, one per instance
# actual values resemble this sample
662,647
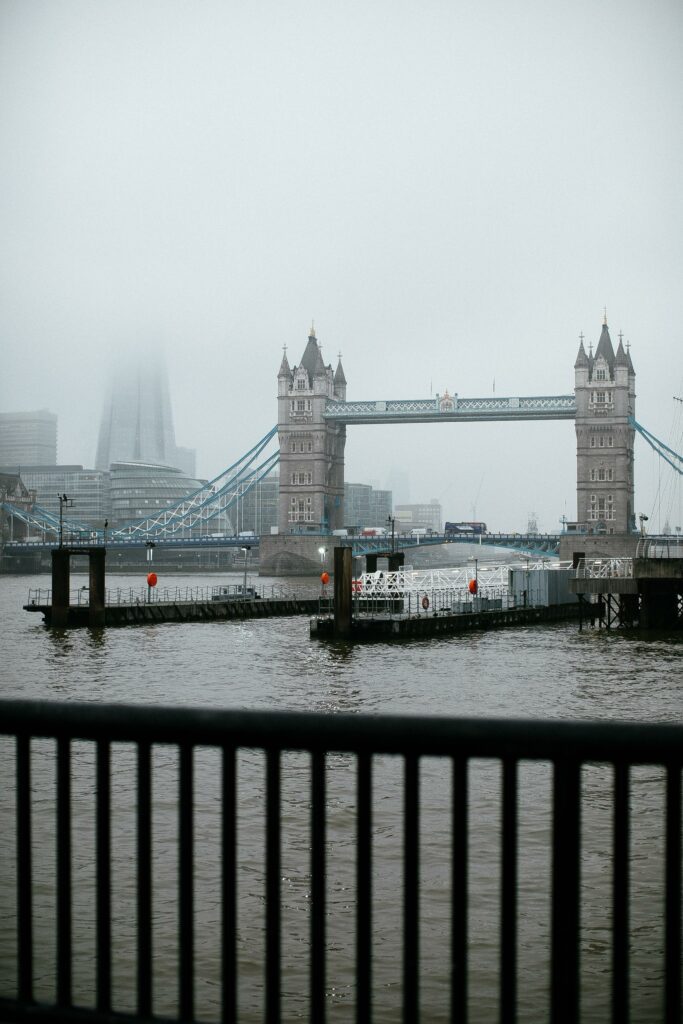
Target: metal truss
213,499
451,408
46,522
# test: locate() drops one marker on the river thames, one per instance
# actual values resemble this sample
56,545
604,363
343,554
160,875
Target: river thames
550,671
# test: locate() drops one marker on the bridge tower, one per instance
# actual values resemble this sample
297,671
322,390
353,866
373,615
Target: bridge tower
605,398
311,450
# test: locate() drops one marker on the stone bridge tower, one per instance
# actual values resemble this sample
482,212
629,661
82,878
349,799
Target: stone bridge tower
605,387
311,450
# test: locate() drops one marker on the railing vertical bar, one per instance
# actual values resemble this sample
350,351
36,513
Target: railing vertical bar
508,971
144,880
186,883
459,893
565,893
229,887
64,919
103,857
364,889
411,862
673,896
318,938
620,895
24,870
273,887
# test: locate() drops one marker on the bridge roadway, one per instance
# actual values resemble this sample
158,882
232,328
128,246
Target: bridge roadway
547,543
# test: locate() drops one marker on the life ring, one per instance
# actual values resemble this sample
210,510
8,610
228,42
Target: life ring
355,586
425,602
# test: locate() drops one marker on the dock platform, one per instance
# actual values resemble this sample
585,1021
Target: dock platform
390,625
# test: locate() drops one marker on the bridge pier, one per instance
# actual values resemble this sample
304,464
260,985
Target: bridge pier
61,578
96,564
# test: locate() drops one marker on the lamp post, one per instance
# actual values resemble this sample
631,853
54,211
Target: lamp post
322,552
63,501
246,562
643,520
391,521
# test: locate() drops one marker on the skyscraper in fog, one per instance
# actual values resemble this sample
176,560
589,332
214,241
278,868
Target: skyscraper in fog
137,422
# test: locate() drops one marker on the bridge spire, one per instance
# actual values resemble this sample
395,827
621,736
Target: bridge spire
582,358
284,365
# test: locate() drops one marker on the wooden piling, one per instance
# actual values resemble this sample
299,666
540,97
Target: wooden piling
342,592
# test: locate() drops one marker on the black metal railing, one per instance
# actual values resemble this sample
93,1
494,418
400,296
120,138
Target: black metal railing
566,748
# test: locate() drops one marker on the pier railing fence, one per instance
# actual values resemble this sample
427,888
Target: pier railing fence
214,898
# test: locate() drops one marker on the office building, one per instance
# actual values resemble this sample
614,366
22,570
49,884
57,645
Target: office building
28,438
365,507
140,489
419,516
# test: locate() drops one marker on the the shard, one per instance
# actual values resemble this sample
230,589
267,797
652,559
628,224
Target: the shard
137,422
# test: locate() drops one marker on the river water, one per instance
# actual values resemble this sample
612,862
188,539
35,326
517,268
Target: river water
550,671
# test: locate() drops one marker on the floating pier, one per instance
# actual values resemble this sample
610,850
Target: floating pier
380,625
210,610
95,606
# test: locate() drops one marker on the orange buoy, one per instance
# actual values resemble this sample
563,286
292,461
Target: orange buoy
151,579
473,586
324,577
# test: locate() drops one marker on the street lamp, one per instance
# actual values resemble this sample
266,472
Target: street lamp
63,501
322,552
643,520
246,562
391,520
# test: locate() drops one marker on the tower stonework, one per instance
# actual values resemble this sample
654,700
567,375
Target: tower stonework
605,399
311,450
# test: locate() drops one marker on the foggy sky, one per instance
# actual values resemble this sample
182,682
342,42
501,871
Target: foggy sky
452,191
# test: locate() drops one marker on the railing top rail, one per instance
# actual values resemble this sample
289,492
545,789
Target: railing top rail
550,740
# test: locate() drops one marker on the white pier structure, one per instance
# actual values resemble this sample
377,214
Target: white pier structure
444,586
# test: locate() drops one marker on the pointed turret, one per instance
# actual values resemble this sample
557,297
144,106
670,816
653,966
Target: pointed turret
340,381
604,349
621,359
311,356
582,358
284,370
631,370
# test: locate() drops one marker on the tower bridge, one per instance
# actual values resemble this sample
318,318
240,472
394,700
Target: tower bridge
313,416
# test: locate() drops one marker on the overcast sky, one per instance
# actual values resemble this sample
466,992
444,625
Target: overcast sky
453,191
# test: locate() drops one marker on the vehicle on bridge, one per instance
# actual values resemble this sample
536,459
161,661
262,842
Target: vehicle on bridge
473,528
